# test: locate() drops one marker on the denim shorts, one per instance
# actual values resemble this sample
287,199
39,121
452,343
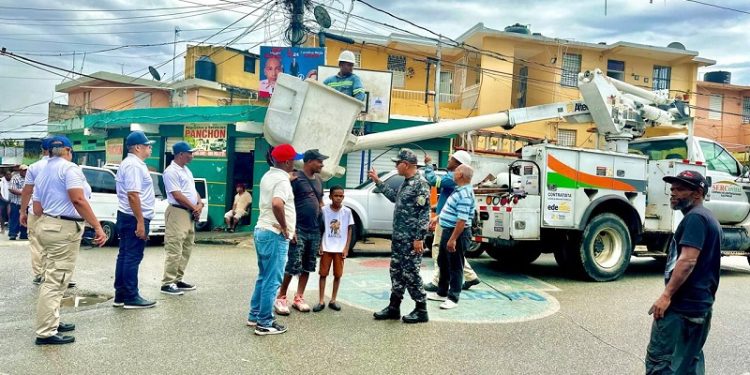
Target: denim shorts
302,254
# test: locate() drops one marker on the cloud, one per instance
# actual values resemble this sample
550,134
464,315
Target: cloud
716,33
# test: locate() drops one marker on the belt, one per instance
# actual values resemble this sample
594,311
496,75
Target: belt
68,218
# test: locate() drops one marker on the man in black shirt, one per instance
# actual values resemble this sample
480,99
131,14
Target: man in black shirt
682,314
308,200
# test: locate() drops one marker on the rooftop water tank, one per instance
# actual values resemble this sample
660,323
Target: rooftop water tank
718,77
518,28
205,69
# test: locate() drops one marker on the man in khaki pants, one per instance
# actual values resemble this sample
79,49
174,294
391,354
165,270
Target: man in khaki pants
63,192
37,255
184,207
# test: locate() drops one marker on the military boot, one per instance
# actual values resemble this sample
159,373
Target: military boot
392,312
419,315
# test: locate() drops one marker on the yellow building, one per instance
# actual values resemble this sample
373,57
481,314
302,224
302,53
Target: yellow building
217,75
510,70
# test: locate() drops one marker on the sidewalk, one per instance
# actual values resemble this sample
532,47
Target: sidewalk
223,238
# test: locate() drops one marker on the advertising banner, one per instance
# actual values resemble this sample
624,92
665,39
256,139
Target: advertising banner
208,139
301,62
114,151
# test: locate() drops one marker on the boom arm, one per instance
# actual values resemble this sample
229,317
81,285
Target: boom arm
310,115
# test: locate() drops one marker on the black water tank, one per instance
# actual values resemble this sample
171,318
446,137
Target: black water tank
718,77
205,69
518,28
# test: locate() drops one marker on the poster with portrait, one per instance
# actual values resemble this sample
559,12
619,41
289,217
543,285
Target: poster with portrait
301,62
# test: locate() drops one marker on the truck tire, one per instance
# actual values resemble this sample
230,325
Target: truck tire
517,256
605,249
476,249
110,229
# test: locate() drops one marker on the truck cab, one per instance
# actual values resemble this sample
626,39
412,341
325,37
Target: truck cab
730,186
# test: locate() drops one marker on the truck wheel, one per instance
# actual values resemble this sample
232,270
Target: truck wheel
518,256
110,229
475,250
605,248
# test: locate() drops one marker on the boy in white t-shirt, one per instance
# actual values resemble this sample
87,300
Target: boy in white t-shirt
334,246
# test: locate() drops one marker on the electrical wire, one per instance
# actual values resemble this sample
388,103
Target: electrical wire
105,10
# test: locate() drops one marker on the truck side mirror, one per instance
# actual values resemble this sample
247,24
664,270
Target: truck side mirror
745,171
376,190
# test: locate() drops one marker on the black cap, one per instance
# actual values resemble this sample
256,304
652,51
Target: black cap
690,178
313,154
406,155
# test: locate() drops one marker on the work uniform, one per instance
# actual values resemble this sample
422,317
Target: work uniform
132,176
59,232
411,218
37,253
180,231
350,85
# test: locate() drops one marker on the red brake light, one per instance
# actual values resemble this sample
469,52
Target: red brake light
503,201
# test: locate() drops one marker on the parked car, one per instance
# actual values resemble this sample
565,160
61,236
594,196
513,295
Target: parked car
104,201
373,212
202,188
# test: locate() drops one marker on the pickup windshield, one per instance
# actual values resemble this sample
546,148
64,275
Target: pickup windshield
660,149
368,181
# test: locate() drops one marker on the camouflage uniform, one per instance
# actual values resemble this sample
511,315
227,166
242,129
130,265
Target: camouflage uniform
411,218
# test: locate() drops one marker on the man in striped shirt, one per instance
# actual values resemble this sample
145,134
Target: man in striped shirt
455,220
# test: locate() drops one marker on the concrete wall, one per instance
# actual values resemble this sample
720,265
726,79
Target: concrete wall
230,66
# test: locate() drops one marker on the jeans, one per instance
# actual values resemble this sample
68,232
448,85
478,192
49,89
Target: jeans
452,264
14,225
128,258
676,345
272,251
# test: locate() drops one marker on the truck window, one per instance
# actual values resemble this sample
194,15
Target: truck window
100,181
395,181
660,149
158,182
718,159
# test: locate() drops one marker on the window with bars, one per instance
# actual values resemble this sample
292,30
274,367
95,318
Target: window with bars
571,66
566,137
357,59
715,107
662,76
616,69
746,110
397,65
249,64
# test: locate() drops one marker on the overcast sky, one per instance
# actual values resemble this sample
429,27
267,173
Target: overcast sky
53,37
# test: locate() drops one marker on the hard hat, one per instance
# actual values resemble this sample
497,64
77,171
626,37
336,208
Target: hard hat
462,156
347,56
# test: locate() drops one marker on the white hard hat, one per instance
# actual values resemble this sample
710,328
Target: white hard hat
462,156
347,56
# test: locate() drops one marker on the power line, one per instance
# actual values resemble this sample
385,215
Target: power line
104,10
118,32
116,24
719,6
106,19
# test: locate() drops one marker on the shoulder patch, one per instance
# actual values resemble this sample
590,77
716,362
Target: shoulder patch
421,200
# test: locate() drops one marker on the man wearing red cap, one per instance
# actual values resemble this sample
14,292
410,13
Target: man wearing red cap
276,225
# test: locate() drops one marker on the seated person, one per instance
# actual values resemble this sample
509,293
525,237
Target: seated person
242,202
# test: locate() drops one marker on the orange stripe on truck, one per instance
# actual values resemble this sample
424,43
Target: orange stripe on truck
585,178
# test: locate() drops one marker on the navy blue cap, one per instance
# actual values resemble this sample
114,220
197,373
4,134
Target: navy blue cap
137,138
692,179
45,143
182,146
60,141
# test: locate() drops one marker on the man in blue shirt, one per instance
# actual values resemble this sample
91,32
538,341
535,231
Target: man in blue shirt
345,81
455,220
445,186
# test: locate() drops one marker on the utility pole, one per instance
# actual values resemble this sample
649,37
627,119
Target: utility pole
436,117
298,9
174,51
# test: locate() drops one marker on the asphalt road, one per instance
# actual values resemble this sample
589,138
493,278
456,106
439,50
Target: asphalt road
595,328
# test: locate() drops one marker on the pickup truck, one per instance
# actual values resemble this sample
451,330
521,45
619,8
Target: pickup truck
373,212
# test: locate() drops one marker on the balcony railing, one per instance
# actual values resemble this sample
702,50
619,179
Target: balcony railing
420,96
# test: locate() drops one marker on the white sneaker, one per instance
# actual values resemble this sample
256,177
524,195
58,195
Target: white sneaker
448,304
435,297
281,307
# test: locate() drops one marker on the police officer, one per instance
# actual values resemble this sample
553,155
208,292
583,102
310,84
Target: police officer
411,218
135,209
346,81
185,206
27,216
63,192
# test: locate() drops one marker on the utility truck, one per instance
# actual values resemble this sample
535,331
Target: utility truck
588,207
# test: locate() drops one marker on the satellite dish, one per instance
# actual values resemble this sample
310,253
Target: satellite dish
676,45
154,73
322,17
